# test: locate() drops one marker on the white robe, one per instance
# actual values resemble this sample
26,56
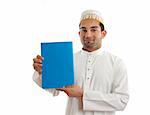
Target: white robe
103,78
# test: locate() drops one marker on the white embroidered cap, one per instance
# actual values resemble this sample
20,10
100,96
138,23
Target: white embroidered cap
92,14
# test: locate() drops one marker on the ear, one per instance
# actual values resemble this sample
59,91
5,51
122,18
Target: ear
79,33
104,33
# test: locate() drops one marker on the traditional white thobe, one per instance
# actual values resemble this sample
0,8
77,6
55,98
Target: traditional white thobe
103,78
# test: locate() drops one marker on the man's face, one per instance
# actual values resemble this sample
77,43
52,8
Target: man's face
90,34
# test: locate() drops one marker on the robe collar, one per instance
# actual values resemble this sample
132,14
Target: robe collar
96,52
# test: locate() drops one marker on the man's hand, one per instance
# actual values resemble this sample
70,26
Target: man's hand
72,91
37,63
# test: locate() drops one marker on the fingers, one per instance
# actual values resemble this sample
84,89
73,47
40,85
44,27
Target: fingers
39,57
37,63
36,60
61,89
37,67
64,89
72,86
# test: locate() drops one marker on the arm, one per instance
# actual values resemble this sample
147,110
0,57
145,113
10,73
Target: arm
38,80
37,77
114,101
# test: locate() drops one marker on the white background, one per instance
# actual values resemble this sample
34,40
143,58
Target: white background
24,24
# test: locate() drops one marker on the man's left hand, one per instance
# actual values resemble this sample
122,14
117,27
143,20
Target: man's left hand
72,91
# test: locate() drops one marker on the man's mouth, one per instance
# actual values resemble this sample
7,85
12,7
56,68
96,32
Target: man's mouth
88,41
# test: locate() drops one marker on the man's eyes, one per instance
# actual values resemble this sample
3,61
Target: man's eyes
84,30
92,30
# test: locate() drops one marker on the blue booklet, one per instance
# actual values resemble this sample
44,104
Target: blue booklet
57,66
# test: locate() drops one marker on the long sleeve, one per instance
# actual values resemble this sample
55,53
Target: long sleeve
38,80
116,100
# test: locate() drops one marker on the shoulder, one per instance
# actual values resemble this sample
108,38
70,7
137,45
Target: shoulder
116,60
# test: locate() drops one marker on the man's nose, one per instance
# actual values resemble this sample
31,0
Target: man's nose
88,34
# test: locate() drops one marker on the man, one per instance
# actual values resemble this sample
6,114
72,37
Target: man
100,77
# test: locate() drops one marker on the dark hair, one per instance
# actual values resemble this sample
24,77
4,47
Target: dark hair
100,24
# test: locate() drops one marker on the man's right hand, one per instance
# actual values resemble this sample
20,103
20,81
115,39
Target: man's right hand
37,63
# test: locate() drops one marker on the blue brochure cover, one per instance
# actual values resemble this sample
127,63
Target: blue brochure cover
57,66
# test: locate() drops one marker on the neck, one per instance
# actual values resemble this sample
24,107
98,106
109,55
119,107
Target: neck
91,49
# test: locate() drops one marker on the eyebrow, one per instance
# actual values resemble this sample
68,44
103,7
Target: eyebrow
93,27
